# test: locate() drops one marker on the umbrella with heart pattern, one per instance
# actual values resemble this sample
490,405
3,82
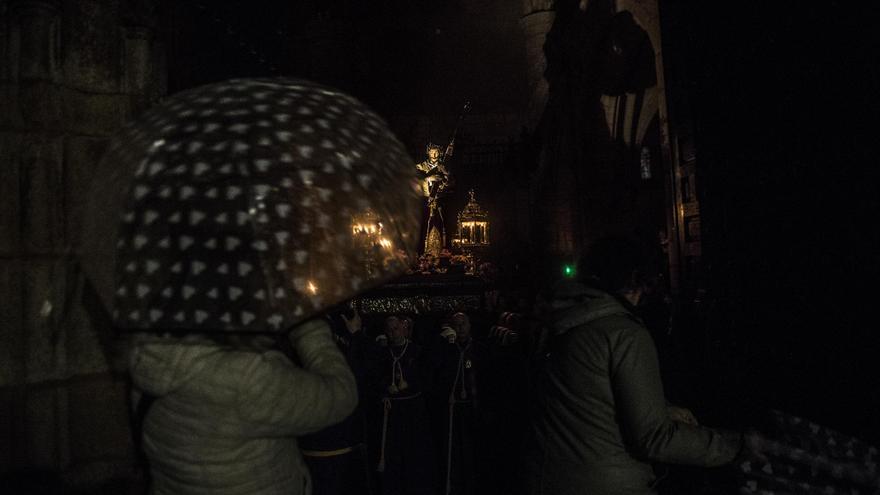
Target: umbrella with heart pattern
229,207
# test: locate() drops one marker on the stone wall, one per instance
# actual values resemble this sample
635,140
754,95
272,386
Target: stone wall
71,73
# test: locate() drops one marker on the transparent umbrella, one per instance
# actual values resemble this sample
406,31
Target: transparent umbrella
805,457
232,207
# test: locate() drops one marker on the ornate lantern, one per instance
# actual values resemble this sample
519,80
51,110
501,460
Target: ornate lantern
473,226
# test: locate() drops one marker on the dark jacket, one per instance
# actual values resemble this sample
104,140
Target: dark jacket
600,415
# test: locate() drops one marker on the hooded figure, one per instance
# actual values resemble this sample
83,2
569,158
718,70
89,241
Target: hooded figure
398,377
219,229
600,414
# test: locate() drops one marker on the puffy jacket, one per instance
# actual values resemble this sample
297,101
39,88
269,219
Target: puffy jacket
601,416
225,420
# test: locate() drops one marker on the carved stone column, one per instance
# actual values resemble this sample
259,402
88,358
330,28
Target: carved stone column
35,61
139,67
538,16
143,77
36,31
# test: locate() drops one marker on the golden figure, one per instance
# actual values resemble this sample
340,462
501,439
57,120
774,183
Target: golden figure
435,179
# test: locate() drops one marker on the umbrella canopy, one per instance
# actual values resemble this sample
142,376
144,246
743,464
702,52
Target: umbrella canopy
230,207
805,457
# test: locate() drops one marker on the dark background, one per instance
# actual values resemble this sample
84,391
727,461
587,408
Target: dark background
778,95
782,97
775,99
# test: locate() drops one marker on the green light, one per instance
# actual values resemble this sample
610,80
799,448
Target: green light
568,270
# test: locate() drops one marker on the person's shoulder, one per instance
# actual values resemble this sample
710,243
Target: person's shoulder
612,326
623,330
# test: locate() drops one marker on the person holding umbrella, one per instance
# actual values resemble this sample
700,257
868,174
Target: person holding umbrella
218,226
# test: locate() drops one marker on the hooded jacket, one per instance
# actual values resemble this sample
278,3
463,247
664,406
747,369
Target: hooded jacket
225,420
601,415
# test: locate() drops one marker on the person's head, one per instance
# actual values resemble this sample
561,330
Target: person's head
462,326
488,272
616,265
395,330
433,152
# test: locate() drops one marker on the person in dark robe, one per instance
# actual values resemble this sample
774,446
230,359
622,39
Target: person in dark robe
502,405
405,461
456,358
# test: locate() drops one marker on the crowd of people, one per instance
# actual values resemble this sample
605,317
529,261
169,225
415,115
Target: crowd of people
436,413
561,396
243,385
